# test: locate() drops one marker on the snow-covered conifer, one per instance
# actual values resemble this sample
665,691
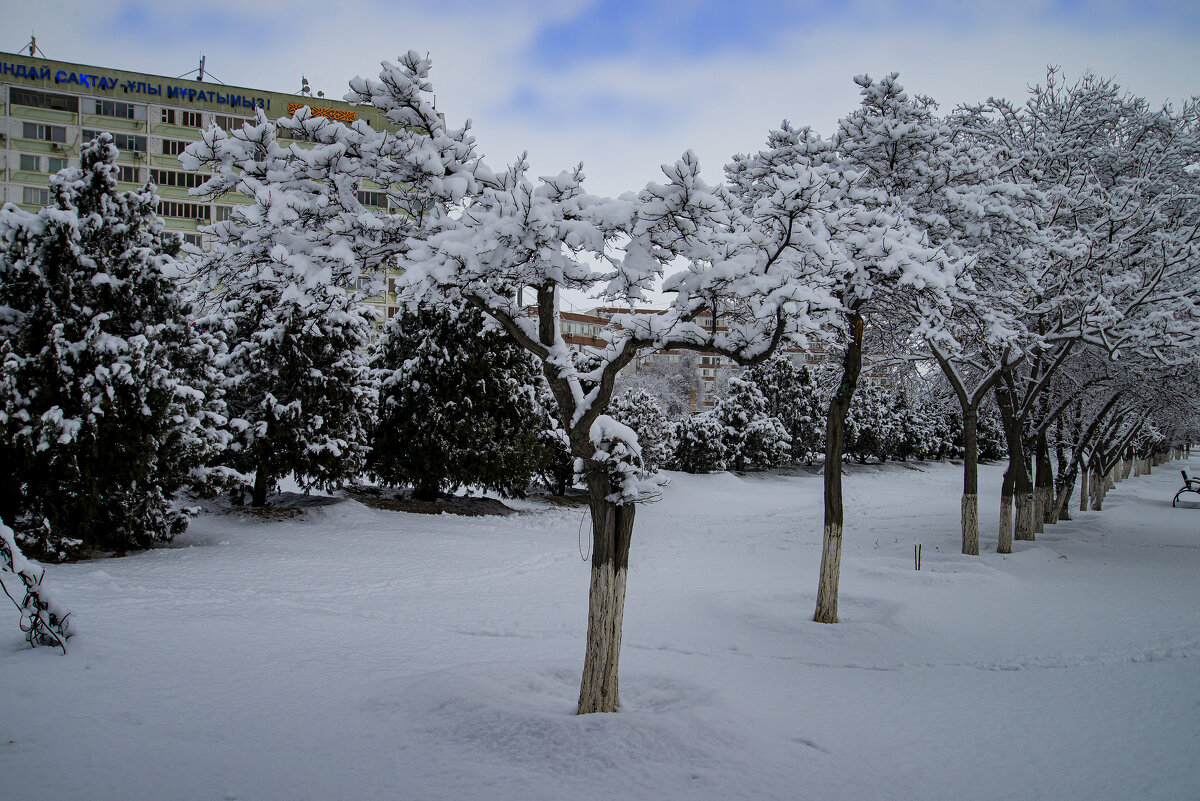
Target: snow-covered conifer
108,407
793,398
753,438
278,284
457,405
700,444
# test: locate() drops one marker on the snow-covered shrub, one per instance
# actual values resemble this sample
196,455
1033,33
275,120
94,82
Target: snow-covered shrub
640,410
752,437
43,621
871,428
458,405
792,397
990,434
700,444
107,398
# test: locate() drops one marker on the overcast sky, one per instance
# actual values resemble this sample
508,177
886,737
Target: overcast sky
624,86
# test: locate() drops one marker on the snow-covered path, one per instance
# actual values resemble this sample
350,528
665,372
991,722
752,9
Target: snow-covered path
361,654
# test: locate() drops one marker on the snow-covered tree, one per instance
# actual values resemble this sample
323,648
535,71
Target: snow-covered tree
1113,263
107,399
877,265
794,399
872,426
457,405
700,444
671,380
753,438
640,410
277,284
496,237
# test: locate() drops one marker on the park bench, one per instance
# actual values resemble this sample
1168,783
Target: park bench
1189,485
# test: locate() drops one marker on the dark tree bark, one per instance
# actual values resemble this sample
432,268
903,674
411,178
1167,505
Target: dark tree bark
612,532
835,427
258,496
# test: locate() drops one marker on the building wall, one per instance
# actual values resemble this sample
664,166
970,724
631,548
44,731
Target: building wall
47,107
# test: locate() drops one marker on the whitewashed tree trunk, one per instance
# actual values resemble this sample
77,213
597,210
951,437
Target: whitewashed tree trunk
970,525
612,530
1004,542
831,571
1024,530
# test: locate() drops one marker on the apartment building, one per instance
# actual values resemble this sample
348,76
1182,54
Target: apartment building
49,108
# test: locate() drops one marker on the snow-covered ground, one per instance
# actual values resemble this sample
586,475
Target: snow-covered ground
352,653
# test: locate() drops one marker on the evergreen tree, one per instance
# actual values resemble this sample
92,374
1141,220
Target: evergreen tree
793,398
640,410
700,444
457,405
752,437
871,429
556,465
107,402
277,283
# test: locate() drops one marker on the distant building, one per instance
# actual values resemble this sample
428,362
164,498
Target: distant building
49,108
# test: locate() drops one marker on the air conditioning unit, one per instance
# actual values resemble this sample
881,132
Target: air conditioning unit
139,155
55,146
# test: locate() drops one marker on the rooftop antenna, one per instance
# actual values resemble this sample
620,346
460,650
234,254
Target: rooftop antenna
305,89
201,71
33,47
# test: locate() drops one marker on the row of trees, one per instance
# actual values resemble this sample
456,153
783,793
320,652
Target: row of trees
773,415
1042,255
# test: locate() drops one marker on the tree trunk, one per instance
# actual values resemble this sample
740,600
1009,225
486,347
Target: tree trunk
1005,540
426,490
258,496
970,498
612,531
1018,466
835,423
1097,491
1045,485
1083,488
1063,507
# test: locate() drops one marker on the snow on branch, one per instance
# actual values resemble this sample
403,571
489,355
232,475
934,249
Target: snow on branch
43,621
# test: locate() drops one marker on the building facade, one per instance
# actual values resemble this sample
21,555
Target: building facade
49,108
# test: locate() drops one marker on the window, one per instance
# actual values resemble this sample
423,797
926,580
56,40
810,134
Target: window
190,119
186,180
173,147
34,163
378,199
47,133
47,100
37,197
127,142
193,239
168,116
223,213
114,108
228,123
127,174
186,211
